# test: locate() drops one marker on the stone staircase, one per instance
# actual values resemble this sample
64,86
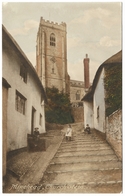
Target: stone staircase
87,164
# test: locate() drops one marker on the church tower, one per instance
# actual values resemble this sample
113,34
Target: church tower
51,55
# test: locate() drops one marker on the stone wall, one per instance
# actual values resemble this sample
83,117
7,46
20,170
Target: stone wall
114,132
54,126
78,114
62,128
76,90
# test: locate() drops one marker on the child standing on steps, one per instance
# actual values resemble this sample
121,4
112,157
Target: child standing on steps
69,133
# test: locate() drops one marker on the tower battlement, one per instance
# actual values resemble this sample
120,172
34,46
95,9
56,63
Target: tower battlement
52,24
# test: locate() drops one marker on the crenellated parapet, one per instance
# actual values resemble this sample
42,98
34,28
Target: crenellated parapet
52,24
76,83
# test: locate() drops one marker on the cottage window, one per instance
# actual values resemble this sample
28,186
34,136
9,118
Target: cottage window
23,73
40,120
52,40
20,103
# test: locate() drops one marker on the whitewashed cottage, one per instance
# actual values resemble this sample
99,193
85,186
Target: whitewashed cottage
23,97
94,99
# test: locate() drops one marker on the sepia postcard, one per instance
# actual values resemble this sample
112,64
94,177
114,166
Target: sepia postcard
62,97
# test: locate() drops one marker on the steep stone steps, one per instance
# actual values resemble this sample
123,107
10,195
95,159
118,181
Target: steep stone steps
69,147
66,167
82,143
81,176
88,153
78,138
86,148
84,159
87,164
83,137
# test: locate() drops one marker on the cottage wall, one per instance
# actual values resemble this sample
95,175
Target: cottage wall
4,126
99,104
88,111
20,124
114,132
78,114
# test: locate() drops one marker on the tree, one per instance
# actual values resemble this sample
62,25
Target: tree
58,109
113,87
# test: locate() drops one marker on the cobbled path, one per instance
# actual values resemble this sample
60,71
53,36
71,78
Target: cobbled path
87,164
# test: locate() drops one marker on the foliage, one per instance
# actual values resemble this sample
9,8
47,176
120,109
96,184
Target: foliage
58,109
113,87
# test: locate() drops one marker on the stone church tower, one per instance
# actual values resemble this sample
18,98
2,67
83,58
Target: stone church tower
51,55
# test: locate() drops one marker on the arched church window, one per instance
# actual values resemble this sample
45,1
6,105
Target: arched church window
78,95
52,39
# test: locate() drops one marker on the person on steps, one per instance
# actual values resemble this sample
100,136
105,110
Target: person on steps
87,129
69,133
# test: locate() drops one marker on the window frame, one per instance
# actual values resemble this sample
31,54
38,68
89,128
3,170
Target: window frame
23,73
20,103
52,40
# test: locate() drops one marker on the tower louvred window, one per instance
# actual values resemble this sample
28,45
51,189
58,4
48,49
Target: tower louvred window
52,40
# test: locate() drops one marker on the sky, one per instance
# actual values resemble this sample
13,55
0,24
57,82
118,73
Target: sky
93,28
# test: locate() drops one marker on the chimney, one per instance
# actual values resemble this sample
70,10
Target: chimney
86,72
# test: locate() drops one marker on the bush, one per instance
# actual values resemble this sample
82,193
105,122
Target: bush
58,109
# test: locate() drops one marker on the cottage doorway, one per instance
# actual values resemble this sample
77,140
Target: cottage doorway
33,120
